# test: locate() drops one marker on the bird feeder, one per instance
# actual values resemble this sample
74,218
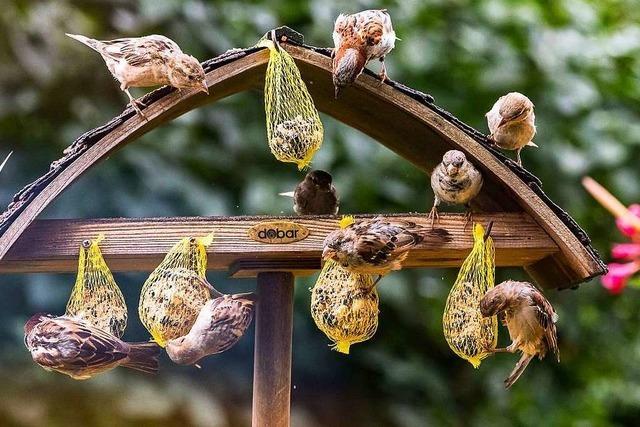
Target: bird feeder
530,230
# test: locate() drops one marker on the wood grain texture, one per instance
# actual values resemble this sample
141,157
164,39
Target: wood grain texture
140,244
272,354
412,129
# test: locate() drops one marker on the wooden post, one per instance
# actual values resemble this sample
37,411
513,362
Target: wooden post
272,354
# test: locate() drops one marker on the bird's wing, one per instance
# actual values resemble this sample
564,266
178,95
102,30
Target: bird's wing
231,319
140,51
341,28
379,240
547,317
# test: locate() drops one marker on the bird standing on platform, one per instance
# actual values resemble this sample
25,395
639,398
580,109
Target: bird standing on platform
455,181
359,38
378,245
72,347
511,123
530,318
148,61
219,326
315,195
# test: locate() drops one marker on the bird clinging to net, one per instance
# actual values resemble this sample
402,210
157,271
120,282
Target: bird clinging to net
81,351
530,319
455,181
148,61
315,195
221,323
378,245
511,123
359,38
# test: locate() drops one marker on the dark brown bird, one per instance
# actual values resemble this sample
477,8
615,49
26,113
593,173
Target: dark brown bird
219,326
530,318
315,195
378,245
81,351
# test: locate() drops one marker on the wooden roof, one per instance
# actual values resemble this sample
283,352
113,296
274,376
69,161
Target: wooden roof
403,119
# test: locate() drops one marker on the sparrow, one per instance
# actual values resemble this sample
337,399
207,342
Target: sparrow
511,123
378,245
219,326
315,195
455,181
4,162
81,351
148,61
530,319
359,38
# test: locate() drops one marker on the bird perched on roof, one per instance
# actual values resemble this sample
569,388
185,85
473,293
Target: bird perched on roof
511,123
530,318
359,38
378,245
74,348
315,195
221,323
148,61
455,181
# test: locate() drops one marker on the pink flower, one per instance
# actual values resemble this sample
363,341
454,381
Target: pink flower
626,251
616,279
624,226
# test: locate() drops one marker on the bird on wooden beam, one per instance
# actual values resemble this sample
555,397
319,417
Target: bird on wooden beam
359,38
148,61
315,195
530,319
512,124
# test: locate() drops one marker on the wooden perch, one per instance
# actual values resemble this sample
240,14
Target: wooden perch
140,244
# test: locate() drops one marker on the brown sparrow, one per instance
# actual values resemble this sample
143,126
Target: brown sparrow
359,38
511,123
148,61
455,181
74,348
530,318
219,326
315,195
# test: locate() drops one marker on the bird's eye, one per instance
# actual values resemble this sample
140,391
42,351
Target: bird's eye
192,78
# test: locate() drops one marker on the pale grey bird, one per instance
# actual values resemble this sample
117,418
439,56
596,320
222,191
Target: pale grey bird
148,61
315,195
511,123
454,181
530,318
219,326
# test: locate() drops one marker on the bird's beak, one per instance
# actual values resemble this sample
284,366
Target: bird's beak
327,253
503,122
452,170
204,87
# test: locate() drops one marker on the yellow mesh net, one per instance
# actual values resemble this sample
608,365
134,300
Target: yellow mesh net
96,298
172,296
468,333
294,129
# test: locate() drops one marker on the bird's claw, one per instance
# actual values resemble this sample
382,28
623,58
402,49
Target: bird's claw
135,104
468,218
434,216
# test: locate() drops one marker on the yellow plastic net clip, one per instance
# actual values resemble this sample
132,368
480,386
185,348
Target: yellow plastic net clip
173,295
96,298
468,333
344,306
294,129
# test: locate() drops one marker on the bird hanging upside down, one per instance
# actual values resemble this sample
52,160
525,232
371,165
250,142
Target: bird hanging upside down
378,245
511,123
359,38
530,318
148,61
315,195
72,347
221,323
455,181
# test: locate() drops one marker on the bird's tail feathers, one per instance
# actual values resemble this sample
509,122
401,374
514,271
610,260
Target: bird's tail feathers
143,357
435,235
92,43
532,144
518,370
213,291
287,194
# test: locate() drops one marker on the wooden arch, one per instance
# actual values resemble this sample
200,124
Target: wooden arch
406,121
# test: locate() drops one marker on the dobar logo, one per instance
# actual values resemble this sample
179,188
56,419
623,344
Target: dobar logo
278,232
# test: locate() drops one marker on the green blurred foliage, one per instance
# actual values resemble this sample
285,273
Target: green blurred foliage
578,60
